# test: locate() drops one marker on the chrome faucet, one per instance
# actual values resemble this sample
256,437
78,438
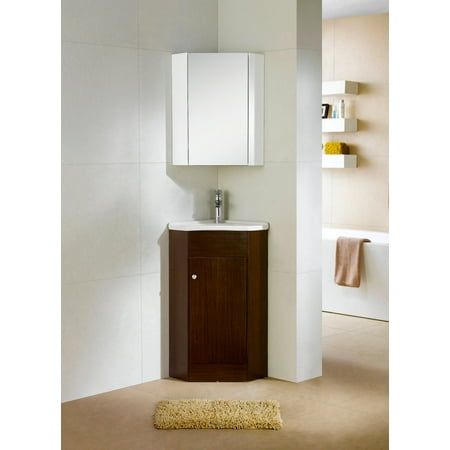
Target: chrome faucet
219,206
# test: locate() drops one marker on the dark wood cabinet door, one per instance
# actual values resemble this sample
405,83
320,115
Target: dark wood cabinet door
218,310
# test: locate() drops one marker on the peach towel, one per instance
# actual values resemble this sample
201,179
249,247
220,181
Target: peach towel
348,261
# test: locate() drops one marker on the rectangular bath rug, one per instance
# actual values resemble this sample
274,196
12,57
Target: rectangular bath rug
219,414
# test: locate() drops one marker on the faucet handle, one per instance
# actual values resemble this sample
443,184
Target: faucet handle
219,206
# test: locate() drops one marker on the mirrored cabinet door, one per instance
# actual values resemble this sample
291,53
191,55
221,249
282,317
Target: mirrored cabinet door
217,109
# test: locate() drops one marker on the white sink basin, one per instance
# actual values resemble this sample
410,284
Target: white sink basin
210,225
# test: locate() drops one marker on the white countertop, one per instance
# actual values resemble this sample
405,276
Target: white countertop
210,225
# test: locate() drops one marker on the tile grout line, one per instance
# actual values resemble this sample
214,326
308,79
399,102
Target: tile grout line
125,47
338,331
332,137
119,163
94,164
218,50
100,44
118,277
139,95
138,34
161,163
334,51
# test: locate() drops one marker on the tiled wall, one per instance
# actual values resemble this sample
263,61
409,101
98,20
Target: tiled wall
118,192
356,48
286,191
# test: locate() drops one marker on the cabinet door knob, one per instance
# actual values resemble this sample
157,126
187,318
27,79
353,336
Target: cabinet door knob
194,276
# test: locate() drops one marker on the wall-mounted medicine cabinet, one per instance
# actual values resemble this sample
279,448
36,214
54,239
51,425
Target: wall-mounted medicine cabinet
217,109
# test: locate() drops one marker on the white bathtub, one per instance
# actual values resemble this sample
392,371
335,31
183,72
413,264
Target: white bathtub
371,299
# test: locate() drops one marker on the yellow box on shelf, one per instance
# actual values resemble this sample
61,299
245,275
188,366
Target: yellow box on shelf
335,148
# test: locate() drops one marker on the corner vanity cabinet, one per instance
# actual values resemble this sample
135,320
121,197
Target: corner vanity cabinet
218,305
217,109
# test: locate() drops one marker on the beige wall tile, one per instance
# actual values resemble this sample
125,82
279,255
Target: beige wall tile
361,46
372,110
327,186
328,50
360,196
356,48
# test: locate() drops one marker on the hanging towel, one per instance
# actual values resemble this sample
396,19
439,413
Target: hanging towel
348,261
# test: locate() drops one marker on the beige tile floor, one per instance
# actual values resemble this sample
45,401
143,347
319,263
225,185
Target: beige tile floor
345,409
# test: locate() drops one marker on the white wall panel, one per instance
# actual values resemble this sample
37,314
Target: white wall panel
155,137
100,110
100,221
101,336
178,25
257,25
118,194
180,124
171,194
111,22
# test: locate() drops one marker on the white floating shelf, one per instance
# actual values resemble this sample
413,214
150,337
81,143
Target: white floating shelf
340,87
339,161
339,125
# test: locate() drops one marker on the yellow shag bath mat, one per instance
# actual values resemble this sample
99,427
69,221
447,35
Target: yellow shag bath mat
235,414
